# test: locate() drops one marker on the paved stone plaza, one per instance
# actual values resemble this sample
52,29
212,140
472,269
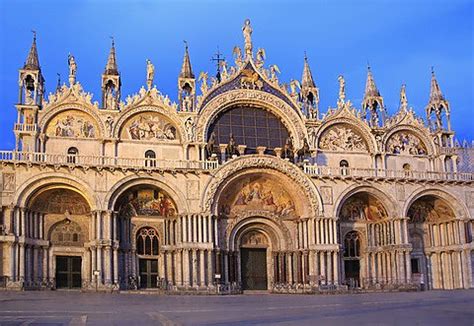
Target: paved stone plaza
75,308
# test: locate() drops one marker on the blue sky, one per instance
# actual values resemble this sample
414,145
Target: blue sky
401,40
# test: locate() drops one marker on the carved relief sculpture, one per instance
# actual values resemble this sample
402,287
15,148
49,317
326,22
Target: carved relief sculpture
342,138
149,127
405,143
74,124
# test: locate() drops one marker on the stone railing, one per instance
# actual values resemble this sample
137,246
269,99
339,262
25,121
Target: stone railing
105,161
325,171
162,164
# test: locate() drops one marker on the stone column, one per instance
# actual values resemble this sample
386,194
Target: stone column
336,267
116,271
21,264
186,266
202,270
210,271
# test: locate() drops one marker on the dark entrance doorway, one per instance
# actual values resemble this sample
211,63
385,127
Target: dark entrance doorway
148,273
68,272
254,268
352,259
352,269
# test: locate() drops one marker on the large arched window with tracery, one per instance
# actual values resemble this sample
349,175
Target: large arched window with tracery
147,242
250,126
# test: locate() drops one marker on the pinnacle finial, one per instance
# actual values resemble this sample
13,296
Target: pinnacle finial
186,69
32,61
435,90
307,78
111,66
370,87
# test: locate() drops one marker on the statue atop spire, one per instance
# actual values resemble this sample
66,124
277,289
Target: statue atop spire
32,61
342,89
247,32
403,98
72,69
150,73
373,101
111,66
186,70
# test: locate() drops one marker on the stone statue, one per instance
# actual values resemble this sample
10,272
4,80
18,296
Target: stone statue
190,128
72,68
260,57
247,31
288,151
210,145
403,97
150,73
203,79
293,85
231,149
342,88
273,73
109,122
304,152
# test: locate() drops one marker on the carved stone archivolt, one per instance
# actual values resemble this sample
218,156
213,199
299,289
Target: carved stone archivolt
291,118
256,162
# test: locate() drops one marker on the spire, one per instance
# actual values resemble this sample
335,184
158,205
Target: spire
111,66
307,78
32,61
435,91
186,70
370,87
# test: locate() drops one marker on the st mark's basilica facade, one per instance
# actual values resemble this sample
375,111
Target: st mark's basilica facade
246,186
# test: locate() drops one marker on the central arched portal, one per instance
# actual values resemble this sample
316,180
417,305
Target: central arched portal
254,246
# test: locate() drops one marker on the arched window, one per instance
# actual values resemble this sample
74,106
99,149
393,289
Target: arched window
407,169
352,245
344,165
249,126
72,152
147,242
150,158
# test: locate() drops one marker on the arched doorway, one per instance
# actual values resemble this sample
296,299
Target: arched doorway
253,260
64,216
145,214
367,238
147,251
351,259
437,238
